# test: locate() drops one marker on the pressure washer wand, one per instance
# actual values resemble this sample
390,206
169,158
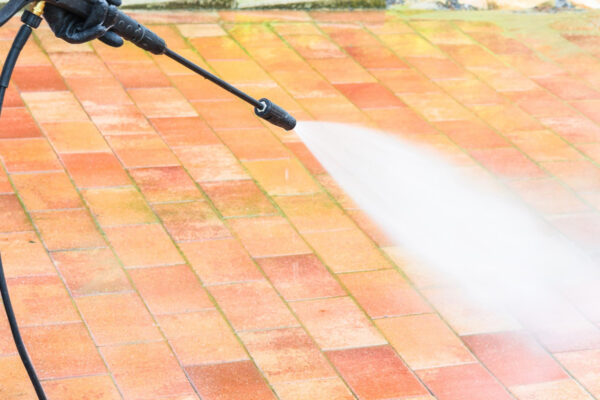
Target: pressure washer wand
264,108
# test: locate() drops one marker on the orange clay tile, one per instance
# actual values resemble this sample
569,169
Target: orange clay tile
184,131
191,221
342,70
34,299
306,157
210,163
463,381
78,355
238,198
67,229
139,75
201,337
229,381
164,184
28,155
424,341
15,382
268,236
346,251
90,271
64,106
16,123
118,206
508,162
162,102
548,196
143,245
23,254
100,386
141,151
169,290
544,146
312,213
261,309
46,191
286,355
285,177
75,137
117,318
515,358
376,373
95,169
584,366
317,389
144,370
220,261
13,218
118,119
253,144
384,293
551,391
300,277
337,323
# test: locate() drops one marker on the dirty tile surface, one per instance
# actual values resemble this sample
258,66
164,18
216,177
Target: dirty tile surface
162,242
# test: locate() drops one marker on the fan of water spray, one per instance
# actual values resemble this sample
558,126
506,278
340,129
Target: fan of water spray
486,242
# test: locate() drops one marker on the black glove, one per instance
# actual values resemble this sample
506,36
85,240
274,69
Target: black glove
75,29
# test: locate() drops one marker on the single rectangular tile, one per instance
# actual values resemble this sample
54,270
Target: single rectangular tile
13,216
384,293
253,144
162,102
28,155
261,309
337,323
315,212
185,131
117,318
201,338
41,300
169,290
424,341
95,169
191,221
468,381
67,229
77,353
376,373
230,381
146,370
515,358
91,271
282,177
142,151
23,254
238,198
75,137
346,251
143,245
317,389
220,261
100,387
286,355
165,184
268,236
300,277
118,206
210,163
564,389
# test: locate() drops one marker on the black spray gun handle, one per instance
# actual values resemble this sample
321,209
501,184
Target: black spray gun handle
123,25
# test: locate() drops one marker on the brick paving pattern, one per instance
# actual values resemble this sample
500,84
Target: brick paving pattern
161,242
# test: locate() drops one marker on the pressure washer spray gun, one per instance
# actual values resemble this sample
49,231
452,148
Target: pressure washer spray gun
129,29
78,21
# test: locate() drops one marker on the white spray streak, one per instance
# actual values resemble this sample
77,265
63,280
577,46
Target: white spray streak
493,246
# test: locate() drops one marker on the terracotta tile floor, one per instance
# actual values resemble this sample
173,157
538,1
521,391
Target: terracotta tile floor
161,242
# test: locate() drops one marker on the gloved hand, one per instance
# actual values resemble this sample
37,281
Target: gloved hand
75,29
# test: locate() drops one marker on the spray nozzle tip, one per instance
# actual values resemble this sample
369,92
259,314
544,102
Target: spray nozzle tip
276,115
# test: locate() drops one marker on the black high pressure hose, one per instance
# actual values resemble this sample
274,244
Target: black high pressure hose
29,20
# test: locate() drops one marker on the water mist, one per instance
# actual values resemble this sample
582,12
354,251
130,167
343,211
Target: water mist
487,243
